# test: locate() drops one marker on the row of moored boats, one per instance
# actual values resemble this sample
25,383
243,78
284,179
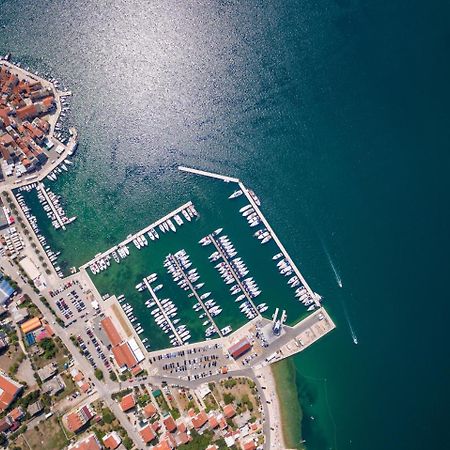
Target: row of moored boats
141,241
32,220
51,203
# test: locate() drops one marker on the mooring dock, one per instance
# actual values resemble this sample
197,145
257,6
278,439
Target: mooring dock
279,244
161,308
41,187
191,287
130,238
235,276
245,191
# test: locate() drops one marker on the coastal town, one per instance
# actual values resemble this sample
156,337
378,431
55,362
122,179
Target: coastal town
75,372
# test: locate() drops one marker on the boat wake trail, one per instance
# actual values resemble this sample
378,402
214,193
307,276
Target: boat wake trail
352,331
336,273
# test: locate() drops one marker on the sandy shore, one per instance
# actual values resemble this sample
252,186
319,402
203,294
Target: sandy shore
266,378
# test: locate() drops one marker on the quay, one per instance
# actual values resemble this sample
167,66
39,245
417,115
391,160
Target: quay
209,174
168,320
313,295
41,187
186,278
139,233
245,191
235,276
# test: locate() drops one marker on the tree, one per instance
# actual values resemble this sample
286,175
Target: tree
99,374
113,376
107,415
228,398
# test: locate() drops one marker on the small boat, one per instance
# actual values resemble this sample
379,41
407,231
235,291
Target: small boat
277,256
244,208
218,231
235,194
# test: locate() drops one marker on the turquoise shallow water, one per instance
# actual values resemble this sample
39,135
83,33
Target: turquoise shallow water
335,113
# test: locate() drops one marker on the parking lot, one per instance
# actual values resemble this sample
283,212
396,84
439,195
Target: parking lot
70,301
191,364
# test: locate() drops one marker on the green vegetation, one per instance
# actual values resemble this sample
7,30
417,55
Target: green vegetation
175,413
107,415
228,398
230,383
99,374
199,442
113,376
143,400
127,442
49,348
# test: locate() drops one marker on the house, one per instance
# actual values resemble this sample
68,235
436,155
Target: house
199,420
149,411
35,408
78,419
112,440
128,402
5,424
47,371
147,434
16,414
89,443
249,445
53,386
169,423
229,411
31,325
9,390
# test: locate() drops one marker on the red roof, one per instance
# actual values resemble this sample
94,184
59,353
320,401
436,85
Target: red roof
111,331
90,443
200,419
213,422
229,411
149,410
124,356
170,423
111,441
9,389
147,434
240,348
127,402
250,445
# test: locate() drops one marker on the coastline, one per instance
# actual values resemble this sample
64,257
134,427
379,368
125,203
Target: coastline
290,411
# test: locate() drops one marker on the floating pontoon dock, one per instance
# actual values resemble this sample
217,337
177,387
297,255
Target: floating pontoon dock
168,320
235,276
186,278
41,187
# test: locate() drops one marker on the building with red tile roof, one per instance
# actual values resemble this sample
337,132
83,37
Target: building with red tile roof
111,331
89,443
229,411
16,414
147,434
182,439
199,420
213,422
112,440
249,445
78,419
128,402
149,410
164,445
240,348
9,390
169,423
124,356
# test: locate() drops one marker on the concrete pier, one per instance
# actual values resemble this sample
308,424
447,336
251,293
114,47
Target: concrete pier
279,244
209,174
139,233
41,187
211,319
168,319
235,276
